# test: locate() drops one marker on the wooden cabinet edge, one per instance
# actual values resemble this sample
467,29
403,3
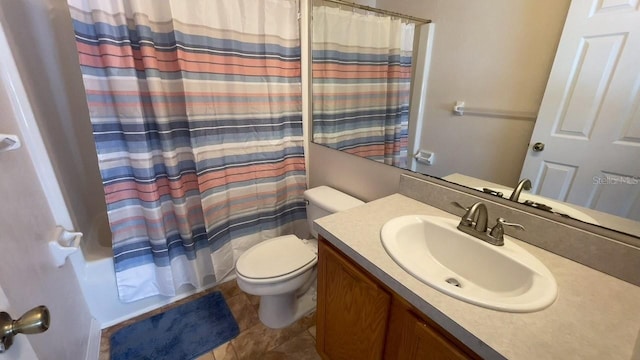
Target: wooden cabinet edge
398,316
320,309
374,307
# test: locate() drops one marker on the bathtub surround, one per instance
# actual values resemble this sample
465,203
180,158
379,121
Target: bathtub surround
184,332
198,127
99,289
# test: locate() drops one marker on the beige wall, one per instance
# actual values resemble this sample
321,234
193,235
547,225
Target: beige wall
42,41
362,178
493,54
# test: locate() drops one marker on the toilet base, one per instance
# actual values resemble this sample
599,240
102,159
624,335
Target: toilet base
278,311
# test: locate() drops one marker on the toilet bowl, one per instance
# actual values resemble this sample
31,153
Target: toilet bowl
282,270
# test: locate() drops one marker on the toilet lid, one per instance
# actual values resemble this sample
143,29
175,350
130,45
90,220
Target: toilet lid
274,258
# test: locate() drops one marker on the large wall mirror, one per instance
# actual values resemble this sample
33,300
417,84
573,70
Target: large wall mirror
558,107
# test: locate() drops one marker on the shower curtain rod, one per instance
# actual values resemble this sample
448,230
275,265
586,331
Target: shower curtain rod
380,11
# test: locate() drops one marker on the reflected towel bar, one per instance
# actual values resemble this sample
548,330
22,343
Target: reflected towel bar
460,110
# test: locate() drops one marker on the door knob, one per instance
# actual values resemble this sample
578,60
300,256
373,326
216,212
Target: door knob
34,321
537,147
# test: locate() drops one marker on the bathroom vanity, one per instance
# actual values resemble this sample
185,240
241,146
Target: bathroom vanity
370,308
358,317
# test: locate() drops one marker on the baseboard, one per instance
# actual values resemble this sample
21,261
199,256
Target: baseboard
93,345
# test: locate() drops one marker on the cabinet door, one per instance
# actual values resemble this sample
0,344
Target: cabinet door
352,310
426,344
412,338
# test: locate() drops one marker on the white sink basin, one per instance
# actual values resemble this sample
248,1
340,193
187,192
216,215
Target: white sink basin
433,250
556,206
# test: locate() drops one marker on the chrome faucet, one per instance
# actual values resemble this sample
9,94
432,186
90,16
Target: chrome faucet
474,223
523,184
475,218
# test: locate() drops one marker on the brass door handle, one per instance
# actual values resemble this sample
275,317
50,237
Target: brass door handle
537,147
34,321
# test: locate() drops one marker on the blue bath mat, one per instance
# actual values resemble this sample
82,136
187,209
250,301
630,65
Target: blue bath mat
182,333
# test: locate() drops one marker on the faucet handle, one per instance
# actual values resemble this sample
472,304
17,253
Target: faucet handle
459,205
504,222
498,231
466,218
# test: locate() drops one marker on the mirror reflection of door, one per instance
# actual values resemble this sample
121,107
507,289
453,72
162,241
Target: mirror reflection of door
589,120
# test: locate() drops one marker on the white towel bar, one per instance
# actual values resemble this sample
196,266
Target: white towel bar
9,142
460,109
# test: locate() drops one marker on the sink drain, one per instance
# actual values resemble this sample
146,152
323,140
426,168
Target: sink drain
454,282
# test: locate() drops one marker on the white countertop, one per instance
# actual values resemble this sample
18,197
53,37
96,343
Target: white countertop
595,316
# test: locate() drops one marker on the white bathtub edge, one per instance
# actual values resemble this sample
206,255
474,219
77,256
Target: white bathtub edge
93,345
98,284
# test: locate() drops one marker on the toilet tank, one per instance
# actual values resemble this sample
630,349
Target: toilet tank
324,200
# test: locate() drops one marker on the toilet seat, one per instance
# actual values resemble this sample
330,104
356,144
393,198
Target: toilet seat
275,260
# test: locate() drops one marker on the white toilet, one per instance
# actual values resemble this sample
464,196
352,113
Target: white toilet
282,270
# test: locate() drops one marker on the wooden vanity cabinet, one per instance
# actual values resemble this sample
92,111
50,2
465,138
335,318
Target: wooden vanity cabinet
360,318
352,309
414,337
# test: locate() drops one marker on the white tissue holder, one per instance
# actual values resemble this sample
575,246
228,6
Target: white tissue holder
64,244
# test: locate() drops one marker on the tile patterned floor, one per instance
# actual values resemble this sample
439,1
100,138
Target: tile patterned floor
255,341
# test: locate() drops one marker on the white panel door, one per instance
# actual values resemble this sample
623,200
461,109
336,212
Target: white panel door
589,119
28,276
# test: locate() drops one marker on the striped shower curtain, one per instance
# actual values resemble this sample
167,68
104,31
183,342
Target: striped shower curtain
196,114
361,83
